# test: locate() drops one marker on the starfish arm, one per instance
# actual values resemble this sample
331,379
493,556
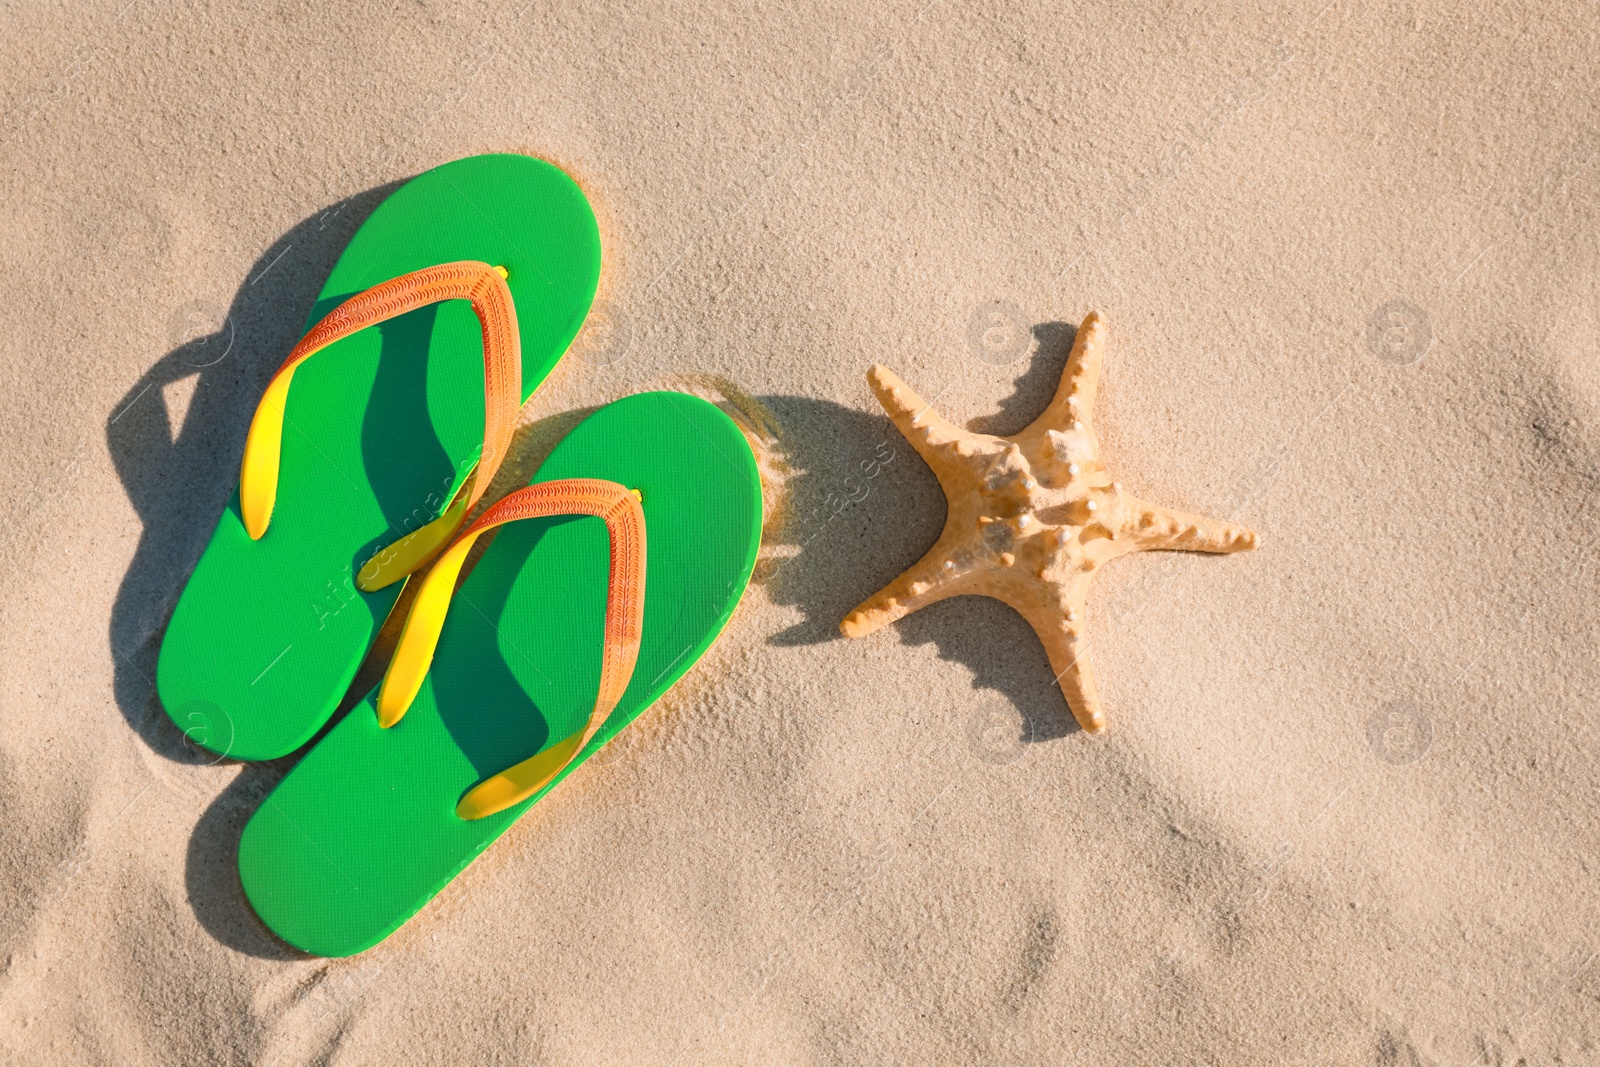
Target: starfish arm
1080,380
1064,644
921,585
1155,528
1076,680
929,432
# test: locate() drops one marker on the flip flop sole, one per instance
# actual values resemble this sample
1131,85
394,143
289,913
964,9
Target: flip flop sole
363,832
380,430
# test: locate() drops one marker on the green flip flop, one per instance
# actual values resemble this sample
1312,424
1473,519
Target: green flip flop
477,275
566,630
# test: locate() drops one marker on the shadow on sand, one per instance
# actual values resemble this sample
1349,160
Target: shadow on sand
179,482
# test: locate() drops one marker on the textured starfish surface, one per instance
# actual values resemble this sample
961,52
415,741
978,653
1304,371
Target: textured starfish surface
1031,517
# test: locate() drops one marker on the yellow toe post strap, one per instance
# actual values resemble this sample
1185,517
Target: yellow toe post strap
485,287
411,552
624,518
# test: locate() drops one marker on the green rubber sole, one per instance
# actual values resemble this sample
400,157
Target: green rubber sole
380,430
363,832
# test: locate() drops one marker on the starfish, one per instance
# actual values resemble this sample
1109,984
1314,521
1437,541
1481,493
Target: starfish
1030,519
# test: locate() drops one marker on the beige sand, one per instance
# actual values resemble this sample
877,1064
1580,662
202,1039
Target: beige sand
1347,809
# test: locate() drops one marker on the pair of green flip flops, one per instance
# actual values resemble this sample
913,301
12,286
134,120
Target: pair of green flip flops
636,540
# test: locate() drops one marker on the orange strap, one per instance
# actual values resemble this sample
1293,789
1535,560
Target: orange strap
624,519
502,383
